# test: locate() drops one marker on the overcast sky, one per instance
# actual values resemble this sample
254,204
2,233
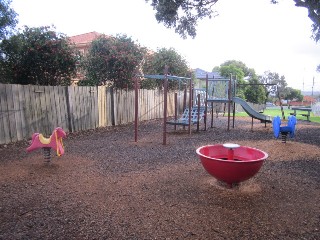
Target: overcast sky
265,37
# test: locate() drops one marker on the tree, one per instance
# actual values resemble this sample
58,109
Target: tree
238,70
313,7
112,60
7,18
226,70
274,83
268,79
254,92
156,62
279,87
183,15
240,65
38,56
293,94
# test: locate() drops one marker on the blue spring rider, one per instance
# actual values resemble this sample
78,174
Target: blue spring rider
284,130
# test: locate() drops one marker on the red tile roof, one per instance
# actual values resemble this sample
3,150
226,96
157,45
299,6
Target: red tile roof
309,99
84,38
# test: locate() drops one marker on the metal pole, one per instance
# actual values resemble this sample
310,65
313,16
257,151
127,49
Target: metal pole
229,101
206,105
190,103
136,106
198,112
251,124
234,104
185,101
185,98
165,103
175,109
234,113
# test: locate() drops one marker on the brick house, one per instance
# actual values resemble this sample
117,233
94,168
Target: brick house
307,101
82,43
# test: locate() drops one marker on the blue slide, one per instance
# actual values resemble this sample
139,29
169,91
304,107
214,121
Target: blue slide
251,112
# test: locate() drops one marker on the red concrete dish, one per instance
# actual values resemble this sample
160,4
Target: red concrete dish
245,164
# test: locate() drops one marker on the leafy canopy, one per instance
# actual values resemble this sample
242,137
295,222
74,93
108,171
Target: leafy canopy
248,85
313,7
112,60
254,92
183,15
156,62
280,83
7,18
238,70
38,56
293,94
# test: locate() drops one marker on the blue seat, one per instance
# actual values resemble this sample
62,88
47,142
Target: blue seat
284,130
184,119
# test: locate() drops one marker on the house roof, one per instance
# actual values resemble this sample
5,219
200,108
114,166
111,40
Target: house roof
309,99
84,38
201,74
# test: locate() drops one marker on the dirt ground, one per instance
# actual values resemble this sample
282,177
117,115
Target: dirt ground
106,186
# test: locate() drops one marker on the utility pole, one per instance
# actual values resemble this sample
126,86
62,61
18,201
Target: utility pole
304,70
312,86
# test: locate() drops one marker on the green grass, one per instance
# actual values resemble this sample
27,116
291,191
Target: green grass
277,112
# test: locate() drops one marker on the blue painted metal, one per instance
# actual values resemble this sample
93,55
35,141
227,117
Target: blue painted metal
284,130
276,126
292,121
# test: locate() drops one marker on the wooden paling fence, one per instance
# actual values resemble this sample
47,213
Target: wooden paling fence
27,109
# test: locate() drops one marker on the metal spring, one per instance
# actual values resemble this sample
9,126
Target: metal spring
284,137
47,154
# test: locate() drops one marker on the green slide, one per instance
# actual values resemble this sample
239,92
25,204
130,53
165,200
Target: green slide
251,112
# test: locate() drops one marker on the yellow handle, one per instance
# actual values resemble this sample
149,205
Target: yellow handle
57,143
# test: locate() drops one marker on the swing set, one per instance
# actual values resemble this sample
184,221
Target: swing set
192,114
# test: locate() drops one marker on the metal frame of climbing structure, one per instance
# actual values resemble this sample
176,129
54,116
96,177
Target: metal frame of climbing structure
165,79
226,97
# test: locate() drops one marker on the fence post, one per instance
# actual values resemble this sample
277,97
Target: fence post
69,116
113,121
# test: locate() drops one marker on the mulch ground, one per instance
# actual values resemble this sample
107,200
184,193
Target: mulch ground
107,186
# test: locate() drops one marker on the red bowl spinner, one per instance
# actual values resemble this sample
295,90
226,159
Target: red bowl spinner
245,164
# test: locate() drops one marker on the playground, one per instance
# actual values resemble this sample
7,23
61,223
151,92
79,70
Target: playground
107,186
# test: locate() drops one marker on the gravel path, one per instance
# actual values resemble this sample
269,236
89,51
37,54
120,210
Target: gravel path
106,186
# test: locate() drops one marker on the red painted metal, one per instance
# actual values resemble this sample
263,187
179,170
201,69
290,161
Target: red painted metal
229,100
136,108
190,103
245,164
206,105
165,103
